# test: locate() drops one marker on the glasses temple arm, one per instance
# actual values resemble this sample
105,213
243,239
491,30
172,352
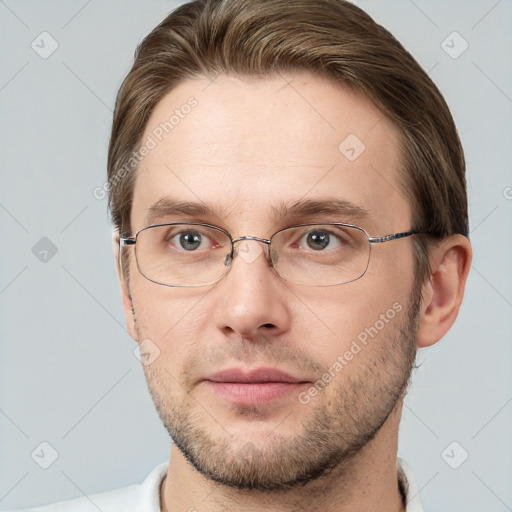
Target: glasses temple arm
395,236
127,241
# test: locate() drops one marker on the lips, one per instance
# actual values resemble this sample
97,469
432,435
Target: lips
259,375
254,387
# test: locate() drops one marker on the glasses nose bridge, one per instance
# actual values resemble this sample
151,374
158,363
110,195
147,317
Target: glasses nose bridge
243,239
258,239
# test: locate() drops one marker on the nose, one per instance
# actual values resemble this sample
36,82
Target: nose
252,298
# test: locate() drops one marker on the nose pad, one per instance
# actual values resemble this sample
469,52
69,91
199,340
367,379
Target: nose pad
249,251
228,259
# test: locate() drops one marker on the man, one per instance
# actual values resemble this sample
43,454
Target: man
287,187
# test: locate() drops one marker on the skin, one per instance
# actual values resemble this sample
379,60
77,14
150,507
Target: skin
247,146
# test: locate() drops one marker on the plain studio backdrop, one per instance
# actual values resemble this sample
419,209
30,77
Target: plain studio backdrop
73,396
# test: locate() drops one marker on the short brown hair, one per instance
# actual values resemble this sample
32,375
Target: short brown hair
333,38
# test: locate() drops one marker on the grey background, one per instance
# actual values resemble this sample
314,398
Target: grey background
68,374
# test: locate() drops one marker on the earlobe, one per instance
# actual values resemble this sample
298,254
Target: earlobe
442,294
129,313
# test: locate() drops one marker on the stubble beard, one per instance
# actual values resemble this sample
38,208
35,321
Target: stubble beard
333,432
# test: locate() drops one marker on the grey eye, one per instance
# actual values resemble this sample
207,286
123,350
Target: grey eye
190,240
318,239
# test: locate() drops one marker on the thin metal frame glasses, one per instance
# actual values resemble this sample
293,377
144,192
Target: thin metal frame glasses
161,262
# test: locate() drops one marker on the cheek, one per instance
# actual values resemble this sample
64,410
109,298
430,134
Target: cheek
171,318
337,319
391,271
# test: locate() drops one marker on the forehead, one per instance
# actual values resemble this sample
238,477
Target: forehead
247,148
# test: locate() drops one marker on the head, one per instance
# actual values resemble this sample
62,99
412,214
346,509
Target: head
248,108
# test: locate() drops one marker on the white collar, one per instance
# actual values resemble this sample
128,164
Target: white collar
412,494
152,487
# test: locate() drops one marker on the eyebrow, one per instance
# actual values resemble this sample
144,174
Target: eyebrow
328,206
343,209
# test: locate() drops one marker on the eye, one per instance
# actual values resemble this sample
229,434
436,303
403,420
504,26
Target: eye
319,239
188,240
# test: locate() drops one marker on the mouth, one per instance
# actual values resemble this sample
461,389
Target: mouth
255,387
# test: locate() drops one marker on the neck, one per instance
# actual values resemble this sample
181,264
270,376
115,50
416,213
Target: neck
367,482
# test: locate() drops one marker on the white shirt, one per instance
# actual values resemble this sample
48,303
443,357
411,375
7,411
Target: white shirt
145,497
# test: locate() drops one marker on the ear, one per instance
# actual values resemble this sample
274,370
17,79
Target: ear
442,295
126,298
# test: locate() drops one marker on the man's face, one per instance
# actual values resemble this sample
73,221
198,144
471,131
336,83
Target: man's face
245,149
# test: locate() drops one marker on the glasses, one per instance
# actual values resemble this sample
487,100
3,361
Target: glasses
197,254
